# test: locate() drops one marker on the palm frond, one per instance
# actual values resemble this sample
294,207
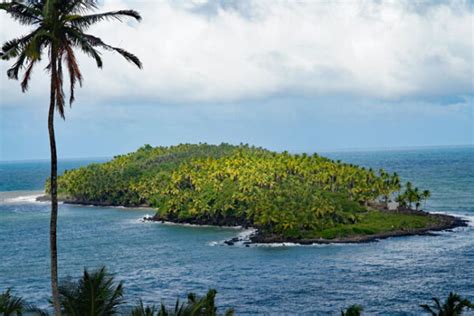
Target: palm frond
79,6
195,306
128,56
24,14
35,46
58,87
14,305
69,297
95,41
77,40
353,310
10,304
12,73
142,310
453,305
94,294
83,22
74,71
14,47
27,75
428,309
437,303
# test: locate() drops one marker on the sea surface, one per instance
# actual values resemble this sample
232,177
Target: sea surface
160,262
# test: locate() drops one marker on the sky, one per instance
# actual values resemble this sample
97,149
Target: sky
286,75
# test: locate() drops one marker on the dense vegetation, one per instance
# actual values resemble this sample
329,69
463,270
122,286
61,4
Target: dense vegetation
97,293
280,193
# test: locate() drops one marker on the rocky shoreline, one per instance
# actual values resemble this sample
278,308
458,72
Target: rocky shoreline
443,222
446,223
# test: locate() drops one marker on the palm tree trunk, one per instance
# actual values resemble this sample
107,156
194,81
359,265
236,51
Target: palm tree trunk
54,191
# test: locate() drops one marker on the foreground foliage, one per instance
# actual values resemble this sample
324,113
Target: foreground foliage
94,294
97,293
353,310
280,193
14,305
195,306
454,305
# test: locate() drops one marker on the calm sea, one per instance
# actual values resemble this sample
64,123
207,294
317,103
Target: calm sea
161,262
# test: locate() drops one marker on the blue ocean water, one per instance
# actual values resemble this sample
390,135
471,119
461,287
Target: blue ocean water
31,175
160,262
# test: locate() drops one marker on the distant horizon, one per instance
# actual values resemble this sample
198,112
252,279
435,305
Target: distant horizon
337,150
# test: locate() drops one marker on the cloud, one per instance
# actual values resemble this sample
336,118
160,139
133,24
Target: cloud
226,51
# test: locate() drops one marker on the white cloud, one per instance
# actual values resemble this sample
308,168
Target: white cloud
213,52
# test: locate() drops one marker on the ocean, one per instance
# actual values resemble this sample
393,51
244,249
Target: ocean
160,262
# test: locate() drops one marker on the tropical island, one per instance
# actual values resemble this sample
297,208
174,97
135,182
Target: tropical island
286,197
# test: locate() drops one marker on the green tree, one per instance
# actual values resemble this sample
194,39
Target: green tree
96,293
195,306
142,310
353,310
60,27
425,196
13,305
454,305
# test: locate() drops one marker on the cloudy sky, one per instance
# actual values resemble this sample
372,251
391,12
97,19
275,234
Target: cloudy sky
302,76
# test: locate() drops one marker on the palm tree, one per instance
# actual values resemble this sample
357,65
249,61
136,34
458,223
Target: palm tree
59,27
195,306
353,310
425,196
142,310
96,293
14,305
454,305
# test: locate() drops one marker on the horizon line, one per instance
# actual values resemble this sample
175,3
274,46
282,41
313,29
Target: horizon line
322,151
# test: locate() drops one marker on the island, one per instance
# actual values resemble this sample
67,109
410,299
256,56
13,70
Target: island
286,197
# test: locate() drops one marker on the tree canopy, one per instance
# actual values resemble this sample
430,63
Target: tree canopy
233,185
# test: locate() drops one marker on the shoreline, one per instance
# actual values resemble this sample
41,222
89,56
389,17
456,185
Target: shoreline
444,222
448,223
46,198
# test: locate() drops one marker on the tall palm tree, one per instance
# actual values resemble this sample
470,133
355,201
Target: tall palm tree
60,26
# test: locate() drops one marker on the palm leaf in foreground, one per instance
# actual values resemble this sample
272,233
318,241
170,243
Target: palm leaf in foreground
14,305
454,305
96,293
195,306
353,310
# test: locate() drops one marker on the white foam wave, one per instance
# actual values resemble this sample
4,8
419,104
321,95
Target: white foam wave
469,218
242,238
23,199
318,245
189,225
